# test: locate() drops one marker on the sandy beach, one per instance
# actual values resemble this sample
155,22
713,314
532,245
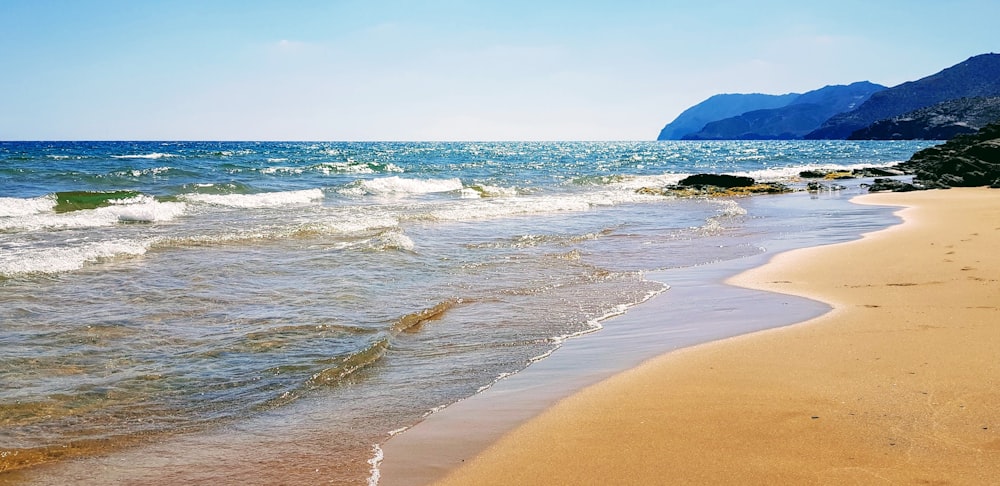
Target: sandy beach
898,384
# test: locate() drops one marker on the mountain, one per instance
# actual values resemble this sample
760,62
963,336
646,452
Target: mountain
936,122
803,115
718,107
976,76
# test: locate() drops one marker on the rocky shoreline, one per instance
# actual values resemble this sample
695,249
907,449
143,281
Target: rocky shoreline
715,185
965,161
971,160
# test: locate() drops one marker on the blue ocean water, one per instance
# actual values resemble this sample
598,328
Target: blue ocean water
151,289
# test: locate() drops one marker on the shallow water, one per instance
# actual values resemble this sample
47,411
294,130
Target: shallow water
374,282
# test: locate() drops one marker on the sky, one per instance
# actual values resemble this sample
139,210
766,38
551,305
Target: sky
341,70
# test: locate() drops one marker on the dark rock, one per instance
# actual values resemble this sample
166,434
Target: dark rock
987,150
826,174
840,174
718,180
716,185
882,185
716,191
964,161
877,172
820,187
759,188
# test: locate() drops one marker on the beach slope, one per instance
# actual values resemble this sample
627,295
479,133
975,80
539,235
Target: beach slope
899,384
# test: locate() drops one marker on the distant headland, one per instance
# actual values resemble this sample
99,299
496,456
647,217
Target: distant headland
960,99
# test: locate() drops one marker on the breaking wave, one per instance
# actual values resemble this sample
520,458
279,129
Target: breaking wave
260,200
66,259
398,186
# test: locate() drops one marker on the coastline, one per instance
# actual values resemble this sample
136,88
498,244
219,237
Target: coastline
898,383
444,440
699,307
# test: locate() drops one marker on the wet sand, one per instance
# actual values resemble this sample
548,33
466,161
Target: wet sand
899,383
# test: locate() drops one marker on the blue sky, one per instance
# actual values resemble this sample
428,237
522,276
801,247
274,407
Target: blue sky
443,70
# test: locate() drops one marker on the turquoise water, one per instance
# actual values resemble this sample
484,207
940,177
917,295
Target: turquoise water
152,289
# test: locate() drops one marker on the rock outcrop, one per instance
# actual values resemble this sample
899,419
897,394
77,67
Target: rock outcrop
851,174
893,185
964,161
725,181
716,185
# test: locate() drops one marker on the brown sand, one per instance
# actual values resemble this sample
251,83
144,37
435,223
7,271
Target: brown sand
899,384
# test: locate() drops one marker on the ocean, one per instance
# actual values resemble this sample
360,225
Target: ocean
156,291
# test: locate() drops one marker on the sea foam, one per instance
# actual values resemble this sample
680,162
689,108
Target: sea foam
261,200
14,206
140,209
499,207
504,207
66,259
154,155
399,186
354,224
148,212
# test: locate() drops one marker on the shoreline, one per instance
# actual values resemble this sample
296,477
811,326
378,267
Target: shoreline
701,308
883,388
445,439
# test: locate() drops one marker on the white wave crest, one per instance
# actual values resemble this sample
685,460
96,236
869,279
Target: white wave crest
517,206
261,200
398,186
58,260
154,155
502,207
14,206
139,209
150,211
